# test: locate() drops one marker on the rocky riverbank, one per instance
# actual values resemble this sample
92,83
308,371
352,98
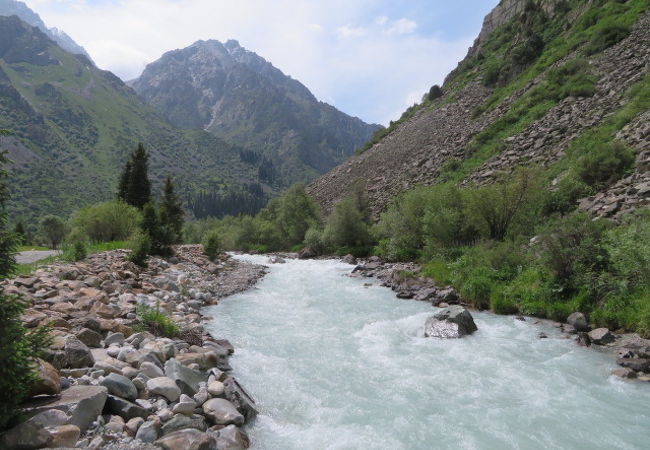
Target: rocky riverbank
105,382
631,351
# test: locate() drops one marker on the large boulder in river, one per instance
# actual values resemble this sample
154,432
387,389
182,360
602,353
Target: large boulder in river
578,321
452,322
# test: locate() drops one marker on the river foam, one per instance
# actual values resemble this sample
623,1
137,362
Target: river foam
334,364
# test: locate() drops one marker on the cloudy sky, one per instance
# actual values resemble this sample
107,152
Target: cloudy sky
369,58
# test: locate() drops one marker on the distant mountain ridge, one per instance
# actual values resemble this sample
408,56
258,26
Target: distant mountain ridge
20,9
240,97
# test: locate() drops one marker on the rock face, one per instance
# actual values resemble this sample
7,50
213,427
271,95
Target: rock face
452,322
241,98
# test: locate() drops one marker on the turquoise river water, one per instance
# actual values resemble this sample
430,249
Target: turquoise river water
334,364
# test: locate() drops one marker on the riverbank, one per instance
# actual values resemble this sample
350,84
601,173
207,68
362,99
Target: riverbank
111,380
631,351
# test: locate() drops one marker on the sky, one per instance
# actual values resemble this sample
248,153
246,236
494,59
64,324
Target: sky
368,58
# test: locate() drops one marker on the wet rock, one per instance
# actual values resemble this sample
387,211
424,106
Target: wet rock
89,337
232,438
64,436
452,322
583,339
187,440
26,436
77,354
636,364
239,397
164,386
601,336
306,253
82,403
181,421
349,259
624,372
148,431
47,380
120,386
221,412
124,408
579,321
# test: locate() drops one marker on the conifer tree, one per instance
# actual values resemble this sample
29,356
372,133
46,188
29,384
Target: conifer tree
171,213
7,241
139,186
125,181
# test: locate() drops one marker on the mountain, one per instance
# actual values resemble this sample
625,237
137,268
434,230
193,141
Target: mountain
74,125
545,82
20,9
240,97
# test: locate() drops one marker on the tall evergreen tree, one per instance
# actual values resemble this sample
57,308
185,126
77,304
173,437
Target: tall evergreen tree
7,241
171,211
139,191
125,182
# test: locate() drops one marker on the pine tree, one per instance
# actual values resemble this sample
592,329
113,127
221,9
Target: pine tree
171,213
7,241
139,191
125,181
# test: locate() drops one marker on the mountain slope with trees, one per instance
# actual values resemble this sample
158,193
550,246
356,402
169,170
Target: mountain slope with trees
240,97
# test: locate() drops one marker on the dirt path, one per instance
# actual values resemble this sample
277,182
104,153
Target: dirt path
34,255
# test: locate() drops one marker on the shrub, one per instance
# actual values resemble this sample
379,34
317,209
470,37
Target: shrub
606,37
604,164
628,248
563,199
434,93
345,227
314,240
108,221
477,289
503,305
140,245
212,244
156,322
18,349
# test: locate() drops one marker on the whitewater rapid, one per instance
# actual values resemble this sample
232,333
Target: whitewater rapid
336,364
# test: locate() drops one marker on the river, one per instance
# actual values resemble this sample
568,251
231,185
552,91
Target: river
335,364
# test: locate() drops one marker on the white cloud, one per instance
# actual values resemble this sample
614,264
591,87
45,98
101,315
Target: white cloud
366,65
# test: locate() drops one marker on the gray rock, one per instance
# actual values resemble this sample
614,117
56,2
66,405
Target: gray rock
89,337
114,338
164,386
185,378
148,431
77,354
349,259
578,321
120,386
82,403
601,336
185,405
26,436
187,440
151,370
238,396
452,322
124,408
636,364
50,418
216,388
181,421
232,438
222,412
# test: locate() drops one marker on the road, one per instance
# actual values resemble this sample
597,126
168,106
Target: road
34,255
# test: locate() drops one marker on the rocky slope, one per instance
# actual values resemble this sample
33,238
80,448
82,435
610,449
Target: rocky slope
103,384
443,133
240,97
20,9
73,127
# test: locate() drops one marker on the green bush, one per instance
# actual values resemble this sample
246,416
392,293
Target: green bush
212,244
19,347
477,289
346,227
606,37
108,221
54,229
140,245
434,93
563,199
503,305
628,248
156,322
604,164
314,240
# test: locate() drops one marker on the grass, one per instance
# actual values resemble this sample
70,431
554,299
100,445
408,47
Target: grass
155,321
28,248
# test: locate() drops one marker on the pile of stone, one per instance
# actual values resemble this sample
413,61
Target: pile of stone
104,383
402,278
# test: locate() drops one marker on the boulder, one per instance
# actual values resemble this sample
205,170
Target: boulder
133,425
238,396
82,403
77,354
51,418
151,370
624,372
185,378
578,321
89,337
164,386
452,322
181,422
349,259
232,438
148,431
306,253
120,386
64,436
601,336
187,440
222,412
636,364
216,388
124,408
26,436
114,338
185,405
48,380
